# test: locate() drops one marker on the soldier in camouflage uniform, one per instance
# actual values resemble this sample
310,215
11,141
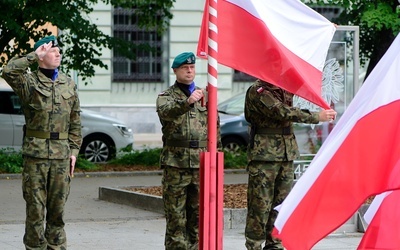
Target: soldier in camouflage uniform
52,138
271,152
184,128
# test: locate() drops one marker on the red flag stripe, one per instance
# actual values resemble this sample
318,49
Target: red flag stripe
382,232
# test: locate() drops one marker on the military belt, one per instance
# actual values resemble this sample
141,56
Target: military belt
46,135
275,131
187,144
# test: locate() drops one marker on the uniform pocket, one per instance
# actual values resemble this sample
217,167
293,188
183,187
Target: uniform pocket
43,90
201,108
66,95
26,187
40,98
67,99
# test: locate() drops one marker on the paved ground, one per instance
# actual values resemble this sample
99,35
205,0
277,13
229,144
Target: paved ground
96,224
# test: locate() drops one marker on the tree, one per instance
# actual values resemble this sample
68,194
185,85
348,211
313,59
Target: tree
22,21
379,24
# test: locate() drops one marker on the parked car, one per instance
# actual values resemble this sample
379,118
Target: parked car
102,135
234,127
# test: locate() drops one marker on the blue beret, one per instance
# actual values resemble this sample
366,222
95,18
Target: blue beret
46,40
184,58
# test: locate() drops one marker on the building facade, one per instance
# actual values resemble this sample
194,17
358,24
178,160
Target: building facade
134,101
128,90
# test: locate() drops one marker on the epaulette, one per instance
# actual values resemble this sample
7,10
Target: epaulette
161,94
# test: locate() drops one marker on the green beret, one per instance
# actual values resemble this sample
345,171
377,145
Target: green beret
46,40
184,58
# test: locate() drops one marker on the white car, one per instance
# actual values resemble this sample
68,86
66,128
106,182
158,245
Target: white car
102,135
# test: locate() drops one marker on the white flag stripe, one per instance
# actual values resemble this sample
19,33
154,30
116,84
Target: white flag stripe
374,206
371,96
296,14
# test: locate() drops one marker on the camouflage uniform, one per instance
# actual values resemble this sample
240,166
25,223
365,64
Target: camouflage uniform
52,135
271,152
184,129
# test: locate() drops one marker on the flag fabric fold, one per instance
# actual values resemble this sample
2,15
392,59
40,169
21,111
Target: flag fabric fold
383,217
281,42
360,158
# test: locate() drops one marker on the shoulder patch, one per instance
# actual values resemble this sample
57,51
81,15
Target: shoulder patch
161,94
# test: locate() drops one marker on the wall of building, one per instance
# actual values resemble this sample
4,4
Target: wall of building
134,103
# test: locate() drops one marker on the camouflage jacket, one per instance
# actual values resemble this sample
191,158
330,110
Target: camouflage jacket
269,110
48,106
182,123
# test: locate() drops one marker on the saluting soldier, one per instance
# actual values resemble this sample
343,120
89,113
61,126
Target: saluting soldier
271,152
52,138
184,128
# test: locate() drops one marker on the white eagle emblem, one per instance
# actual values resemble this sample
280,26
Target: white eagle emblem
332,86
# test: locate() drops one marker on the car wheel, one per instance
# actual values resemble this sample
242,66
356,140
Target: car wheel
233,144
98,148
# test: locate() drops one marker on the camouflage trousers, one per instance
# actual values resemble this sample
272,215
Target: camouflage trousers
45,187
181,206
268,185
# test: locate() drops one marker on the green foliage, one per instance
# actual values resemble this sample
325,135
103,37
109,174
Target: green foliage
146,157
83,164
81,40
127,149
10,161
150,157
236,160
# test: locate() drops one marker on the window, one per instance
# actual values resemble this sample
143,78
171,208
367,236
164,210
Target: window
239,76
328,12
9,103
147,67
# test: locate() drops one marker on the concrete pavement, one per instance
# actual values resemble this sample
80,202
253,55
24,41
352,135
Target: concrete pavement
96,224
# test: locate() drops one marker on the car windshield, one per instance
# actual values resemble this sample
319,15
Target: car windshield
233,106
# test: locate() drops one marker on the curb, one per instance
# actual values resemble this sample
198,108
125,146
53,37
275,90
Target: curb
93,174
116,174
233,218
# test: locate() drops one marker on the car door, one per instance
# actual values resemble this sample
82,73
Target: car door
18,120
11,120
6,121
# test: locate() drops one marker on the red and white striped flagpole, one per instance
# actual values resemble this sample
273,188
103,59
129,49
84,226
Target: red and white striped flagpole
211,200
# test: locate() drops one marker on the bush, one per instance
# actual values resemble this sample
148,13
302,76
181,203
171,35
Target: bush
150,157
235,160
83,164
11,162
146,157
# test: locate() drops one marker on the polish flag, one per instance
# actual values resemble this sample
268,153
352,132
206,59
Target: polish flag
383,217
281,42
360,158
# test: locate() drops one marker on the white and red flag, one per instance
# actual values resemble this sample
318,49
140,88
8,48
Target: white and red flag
383,217
281,42
360,158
